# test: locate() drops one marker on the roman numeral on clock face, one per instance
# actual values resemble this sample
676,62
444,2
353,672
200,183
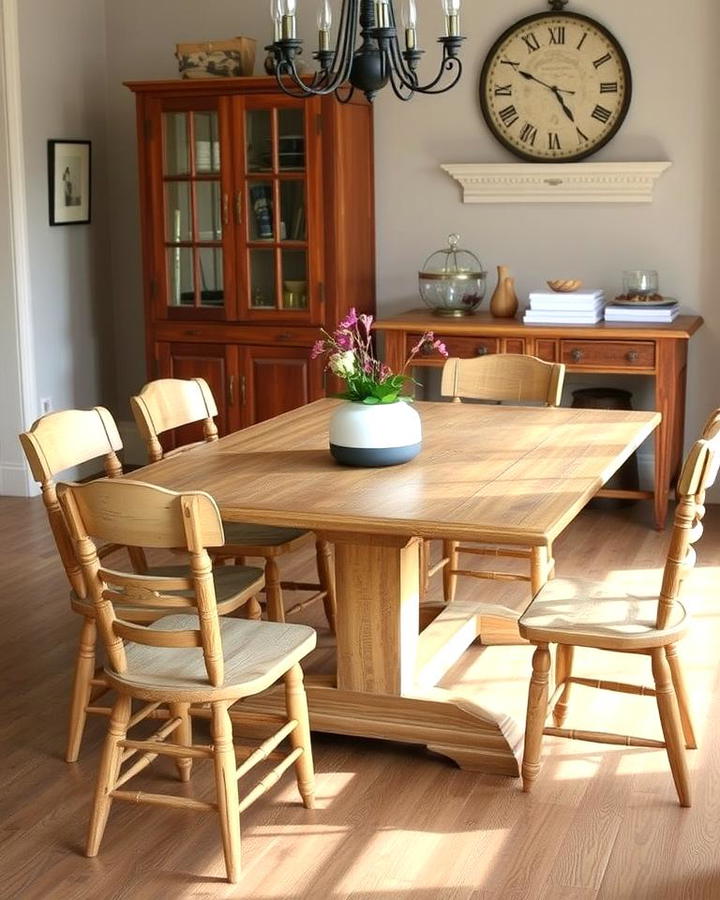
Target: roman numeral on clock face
601,114
503,90
608,87
531,42
508,115
553,141
582,40
528,133
580,136
557,34
601,60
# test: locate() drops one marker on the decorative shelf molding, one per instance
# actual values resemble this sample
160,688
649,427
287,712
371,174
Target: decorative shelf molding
608,182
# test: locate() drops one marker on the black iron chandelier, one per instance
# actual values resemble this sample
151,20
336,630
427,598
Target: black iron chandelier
376,62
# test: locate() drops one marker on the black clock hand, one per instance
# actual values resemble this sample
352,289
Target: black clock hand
566,108
529,77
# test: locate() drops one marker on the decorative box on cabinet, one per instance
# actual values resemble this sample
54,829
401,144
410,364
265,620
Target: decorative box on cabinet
258,228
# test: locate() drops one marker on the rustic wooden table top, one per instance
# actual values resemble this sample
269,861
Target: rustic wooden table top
515,474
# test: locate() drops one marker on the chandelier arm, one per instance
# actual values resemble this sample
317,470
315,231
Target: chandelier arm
449,63
347,98
407,77
397,85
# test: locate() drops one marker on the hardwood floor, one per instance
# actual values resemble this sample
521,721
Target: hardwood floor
393,822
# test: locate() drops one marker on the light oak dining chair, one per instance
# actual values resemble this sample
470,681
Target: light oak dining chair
170,403
501,377
64,440
189,658
575,613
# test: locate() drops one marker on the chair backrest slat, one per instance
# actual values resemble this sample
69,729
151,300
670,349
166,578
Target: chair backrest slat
170,403
60,441
132,512
698,474
505,377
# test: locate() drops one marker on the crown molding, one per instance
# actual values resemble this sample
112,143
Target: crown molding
609,182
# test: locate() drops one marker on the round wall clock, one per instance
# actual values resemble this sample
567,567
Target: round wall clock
555,86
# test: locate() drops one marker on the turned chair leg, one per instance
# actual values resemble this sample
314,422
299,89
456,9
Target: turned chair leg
273,592
326,575
536,714
296,704
82,688
670,721
183,737
563,670
226,788
449,551
253,610
539,569
108,773
678,680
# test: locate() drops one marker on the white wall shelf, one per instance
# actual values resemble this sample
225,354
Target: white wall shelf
581,182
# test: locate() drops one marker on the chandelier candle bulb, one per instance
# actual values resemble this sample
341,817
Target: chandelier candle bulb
409,16
324,21
276,16
288,8
451,8
382,14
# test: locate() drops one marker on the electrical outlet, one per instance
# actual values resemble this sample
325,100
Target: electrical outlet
45,405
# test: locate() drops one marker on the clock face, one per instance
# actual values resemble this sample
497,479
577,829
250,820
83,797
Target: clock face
555,87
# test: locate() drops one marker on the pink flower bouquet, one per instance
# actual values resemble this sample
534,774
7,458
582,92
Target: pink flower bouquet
350,356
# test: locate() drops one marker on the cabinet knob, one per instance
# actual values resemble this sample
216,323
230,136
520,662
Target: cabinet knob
482,350
576,355
632,356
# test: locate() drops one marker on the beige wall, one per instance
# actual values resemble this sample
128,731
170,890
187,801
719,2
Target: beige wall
674,116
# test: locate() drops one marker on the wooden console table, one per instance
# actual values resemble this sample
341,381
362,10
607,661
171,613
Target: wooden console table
608,347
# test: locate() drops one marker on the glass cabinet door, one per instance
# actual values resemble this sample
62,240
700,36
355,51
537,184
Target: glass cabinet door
195,211
276,200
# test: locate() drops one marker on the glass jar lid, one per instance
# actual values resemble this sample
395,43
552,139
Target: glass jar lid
452,262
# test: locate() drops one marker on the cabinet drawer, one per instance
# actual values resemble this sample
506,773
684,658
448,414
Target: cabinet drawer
608,354
464,347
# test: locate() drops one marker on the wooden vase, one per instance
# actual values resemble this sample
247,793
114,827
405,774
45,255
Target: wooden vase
504,301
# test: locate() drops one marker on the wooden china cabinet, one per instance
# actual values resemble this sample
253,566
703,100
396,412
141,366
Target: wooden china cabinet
257,214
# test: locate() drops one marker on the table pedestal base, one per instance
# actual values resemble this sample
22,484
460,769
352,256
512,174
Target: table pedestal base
476,738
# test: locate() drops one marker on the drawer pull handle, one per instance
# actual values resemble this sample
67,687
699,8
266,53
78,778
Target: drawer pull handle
576,355
284,336
482,350
632,356
192,332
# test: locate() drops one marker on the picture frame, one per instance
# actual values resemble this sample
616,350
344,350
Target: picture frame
69,185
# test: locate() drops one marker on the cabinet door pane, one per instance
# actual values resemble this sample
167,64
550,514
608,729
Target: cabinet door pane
211,276
263,291
177,157
258,138
181,282
209,215
292,211
294,274
207,142
260,211
178,212
291,139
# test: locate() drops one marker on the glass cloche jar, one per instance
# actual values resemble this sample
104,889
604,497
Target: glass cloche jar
452,281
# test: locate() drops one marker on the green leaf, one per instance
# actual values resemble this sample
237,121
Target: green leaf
371,401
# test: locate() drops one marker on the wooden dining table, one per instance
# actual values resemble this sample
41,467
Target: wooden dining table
513,475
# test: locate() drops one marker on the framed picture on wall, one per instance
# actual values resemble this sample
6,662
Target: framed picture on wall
69,182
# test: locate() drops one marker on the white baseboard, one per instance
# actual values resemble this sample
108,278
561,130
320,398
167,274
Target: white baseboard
134,453
15,481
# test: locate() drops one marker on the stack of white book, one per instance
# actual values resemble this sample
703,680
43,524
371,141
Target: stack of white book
639,312
573,308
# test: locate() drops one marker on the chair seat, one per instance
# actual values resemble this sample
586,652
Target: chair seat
593,614
256,654
234,585
242,534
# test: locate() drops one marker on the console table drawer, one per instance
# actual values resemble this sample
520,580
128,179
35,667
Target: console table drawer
463,347
610,354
